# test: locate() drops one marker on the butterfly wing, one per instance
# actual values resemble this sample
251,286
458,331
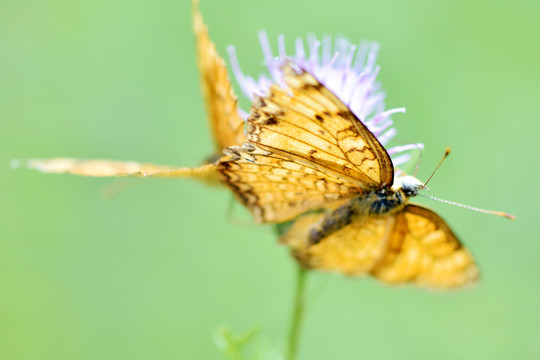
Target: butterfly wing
306,128
422,248
275,188
352,250
414,245
221,102
306,122
108,168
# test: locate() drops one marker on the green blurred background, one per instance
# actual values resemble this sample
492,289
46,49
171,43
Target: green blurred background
151,273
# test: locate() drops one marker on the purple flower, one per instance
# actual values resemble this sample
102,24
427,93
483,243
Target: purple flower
349,71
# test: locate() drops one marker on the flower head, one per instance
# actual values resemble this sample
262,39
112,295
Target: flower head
348,70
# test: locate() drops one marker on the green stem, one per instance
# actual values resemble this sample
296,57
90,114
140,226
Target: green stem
297,314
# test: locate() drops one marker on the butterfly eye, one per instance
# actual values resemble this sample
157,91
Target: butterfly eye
409,189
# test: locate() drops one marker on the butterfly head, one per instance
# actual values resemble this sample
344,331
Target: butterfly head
409,185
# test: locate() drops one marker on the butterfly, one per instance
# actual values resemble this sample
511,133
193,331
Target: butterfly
309,158
227,127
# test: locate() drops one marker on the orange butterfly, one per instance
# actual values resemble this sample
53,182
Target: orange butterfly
307,151
221,103
226,125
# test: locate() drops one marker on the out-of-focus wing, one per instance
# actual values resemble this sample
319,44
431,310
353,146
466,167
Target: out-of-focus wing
108,168
221,103
412,246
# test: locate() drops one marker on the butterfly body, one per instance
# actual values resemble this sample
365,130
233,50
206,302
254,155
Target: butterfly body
381,202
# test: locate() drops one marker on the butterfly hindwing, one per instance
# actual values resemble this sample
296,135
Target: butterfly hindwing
275,188
307,122
352,250
413,245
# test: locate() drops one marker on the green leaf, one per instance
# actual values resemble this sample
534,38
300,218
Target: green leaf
234,345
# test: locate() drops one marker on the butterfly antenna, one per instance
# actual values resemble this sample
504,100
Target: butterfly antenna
446,153
498,213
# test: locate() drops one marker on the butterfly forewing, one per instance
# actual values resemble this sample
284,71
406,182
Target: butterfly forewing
109,168
275,188
227,126
413,245
221,103
423,249
307,122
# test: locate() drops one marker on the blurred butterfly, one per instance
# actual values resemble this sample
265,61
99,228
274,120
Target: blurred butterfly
227,127
307,151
